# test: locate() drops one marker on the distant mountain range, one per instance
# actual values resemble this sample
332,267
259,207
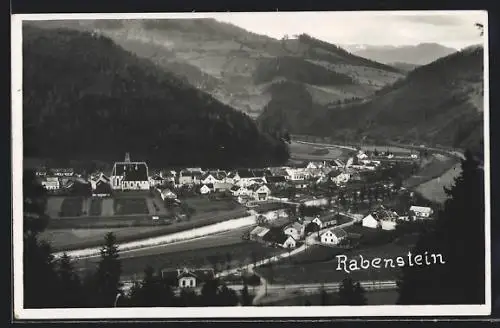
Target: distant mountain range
87,98
440,103
238,67
421,54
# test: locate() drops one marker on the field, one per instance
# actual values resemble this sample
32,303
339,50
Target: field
65,239
71,206
125,206
203,252
139,227
434,168
310,152
393,149
203,204
433,189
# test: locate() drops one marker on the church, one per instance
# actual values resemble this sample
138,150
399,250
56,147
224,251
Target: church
128,175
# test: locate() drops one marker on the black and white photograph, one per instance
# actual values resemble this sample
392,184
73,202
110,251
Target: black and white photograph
251,165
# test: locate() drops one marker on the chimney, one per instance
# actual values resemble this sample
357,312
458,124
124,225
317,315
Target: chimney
127,157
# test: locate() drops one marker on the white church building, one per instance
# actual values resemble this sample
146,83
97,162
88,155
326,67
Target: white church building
128,175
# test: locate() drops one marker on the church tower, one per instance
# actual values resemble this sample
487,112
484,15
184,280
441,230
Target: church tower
127,157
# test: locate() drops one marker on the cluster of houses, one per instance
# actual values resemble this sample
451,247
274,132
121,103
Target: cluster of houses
244,184
387,219
289,234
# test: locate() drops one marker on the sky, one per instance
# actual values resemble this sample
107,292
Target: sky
451,28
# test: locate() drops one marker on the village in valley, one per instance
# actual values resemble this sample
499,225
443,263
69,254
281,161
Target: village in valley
300,217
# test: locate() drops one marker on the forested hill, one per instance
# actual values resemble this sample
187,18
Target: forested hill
86,97
439,103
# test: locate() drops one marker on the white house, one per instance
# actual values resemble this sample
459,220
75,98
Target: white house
421,212
370,221
62,172
100,177
333,236
186,278
241,191
167,194
260,192
295,230
361,155
317,220
297,174
51,183
206,189
388,224
128,175
286,241
212,178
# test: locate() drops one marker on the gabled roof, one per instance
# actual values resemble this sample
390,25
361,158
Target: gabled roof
281,239
131,171
256,187
422,209
339,232
208,185
259,231
235,188
245,174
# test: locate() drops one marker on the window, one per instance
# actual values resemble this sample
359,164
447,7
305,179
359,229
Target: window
183,283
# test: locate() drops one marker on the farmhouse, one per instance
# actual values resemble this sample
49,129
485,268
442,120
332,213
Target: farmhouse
380,220
51,183
371,221
259,192
187,177
222,186
333,236
276,180
295,230
297,174
187,278
213,177
128,175
245,178
421,212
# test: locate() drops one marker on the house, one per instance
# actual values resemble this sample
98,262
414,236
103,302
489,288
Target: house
245,178
188,177
361,155
315,165
167,194
328,220
421,212
318,221
187,278
206,189
297,174
97,177
276,180
41,171
333,236
213,177
299,184
238,191
371,221
128,175
337,164
258,233
260,192
286,241
51,183
62,172
295,230
102,189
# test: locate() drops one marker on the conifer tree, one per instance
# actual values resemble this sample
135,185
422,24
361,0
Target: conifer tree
351,293
108,272
70,287
458,235
246,299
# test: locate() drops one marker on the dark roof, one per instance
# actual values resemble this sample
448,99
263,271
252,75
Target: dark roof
133,171
209,185
102,188
245,174
276,179
235,188
281,239
339,232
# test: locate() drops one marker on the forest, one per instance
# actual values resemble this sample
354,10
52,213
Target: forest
87,98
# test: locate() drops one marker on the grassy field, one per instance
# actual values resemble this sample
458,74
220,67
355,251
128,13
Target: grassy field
220,250
125,206
433,168
310,152
71,206
138,231
65,239
202,204
433,189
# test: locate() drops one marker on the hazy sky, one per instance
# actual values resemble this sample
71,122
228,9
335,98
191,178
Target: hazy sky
453,28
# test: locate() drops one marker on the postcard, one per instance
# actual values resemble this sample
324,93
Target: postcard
251,165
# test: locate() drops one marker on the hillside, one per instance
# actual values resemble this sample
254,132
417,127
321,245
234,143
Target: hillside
404,66
439,103
236,66
86,97
420,54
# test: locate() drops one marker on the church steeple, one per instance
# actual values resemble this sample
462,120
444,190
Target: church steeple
127,157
